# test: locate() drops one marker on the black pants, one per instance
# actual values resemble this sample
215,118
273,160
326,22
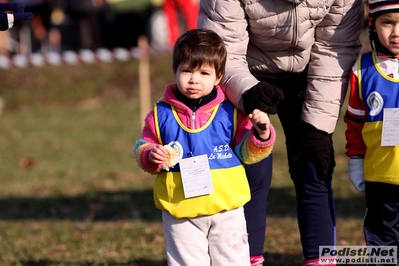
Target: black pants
259,179
381,222
315,203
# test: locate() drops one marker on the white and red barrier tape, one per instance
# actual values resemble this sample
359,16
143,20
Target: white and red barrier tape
74,58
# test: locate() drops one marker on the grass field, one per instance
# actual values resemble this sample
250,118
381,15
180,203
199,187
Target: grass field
70,192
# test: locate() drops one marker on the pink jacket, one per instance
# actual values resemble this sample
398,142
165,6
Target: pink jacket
252,151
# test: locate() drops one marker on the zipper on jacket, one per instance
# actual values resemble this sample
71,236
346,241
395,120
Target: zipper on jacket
193,120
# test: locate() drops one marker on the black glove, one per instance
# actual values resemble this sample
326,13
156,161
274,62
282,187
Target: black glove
262,96
17,10
319,150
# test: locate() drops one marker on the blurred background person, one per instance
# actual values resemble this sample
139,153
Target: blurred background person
62,25
11,14
173,9
77,23
5,41
32,37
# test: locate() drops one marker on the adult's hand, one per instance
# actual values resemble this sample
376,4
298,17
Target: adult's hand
262,96
12,9
318,146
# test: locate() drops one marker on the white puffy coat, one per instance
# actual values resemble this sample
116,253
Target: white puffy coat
269,37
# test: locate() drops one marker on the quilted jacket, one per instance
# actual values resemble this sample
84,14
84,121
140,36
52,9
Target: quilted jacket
269,38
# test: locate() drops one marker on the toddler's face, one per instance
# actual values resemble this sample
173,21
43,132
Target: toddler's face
387,29
198,82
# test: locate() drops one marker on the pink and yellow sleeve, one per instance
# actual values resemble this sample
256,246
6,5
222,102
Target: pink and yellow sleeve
145,144
248,148
254,150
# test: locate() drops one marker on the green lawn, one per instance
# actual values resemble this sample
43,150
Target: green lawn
70,192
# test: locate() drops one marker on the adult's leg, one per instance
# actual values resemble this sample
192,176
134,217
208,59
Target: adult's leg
315,204
259,177
315,210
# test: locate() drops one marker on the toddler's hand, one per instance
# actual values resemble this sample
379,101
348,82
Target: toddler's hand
257,118
356,173
157,155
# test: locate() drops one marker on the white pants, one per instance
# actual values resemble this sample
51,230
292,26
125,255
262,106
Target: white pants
218,240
